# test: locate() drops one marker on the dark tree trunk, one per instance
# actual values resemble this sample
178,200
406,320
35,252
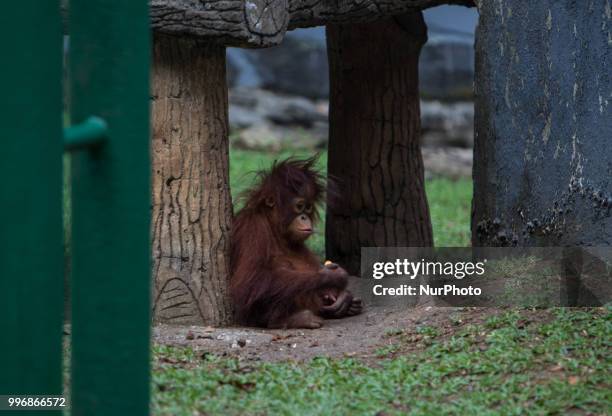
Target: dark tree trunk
191,200
374,149
543,155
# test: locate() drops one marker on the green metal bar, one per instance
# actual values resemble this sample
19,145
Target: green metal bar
31,264
109,69
90,133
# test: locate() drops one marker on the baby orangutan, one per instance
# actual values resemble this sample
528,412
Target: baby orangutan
276,281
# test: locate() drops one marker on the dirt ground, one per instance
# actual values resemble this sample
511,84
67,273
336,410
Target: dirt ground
358,336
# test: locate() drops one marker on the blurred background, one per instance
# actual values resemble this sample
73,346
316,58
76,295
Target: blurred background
279,107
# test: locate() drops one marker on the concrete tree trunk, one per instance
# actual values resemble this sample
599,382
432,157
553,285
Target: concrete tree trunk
263,23
192,207
374,150
543,150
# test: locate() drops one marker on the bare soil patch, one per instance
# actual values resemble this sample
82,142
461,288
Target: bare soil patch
359,336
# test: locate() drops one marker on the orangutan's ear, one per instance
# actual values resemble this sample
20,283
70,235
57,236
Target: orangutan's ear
270,201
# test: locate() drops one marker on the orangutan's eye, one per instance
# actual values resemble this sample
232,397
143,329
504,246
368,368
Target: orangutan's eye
308,209
299,206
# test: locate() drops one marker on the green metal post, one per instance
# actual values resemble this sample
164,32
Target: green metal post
109,71
31,250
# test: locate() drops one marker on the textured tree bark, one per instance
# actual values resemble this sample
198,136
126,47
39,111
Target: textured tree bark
191,200
262,23
374,149
542,156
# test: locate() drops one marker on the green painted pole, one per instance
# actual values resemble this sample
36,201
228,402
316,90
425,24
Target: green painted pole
31,250
109,71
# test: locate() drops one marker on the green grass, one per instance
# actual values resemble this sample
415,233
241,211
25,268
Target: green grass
449,201
450,205
505,366
244,162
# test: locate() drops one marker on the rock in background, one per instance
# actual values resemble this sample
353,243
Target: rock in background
446,70
298,66
264,120
447,124
278,97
